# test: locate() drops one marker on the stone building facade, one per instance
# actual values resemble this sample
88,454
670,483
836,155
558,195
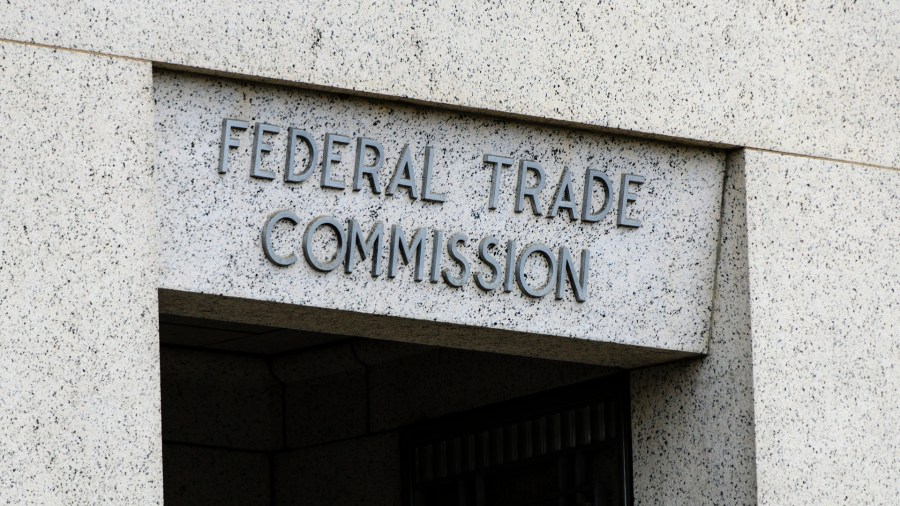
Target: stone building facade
287,252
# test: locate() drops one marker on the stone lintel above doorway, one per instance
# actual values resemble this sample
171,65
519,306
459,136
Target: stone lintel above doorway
393,221
322,321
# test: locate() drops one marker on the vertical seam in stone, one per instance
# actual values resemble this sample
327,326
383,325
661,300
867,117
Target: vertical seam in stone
744,209
712,308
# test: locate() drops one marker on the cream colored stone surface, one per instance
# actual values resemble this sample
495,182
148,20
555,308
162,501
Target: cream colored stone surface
649,287
824,265
815,292
79,350
810,78
692,421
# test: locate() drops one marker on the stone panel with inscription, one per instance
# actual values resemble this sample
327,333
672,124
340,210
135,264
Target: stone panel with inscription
319,200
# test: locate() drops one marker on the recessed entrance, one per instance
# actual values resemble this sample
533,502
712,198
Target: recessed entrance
261,415
565,447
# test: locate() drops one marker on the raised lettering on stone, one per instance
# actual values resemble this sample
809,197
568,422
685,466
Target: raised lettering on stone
353,245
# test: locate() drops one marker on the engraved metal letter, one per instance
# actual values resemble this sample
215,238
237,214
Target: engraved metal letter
404,175
229,142
437,256
625,196
427,194
370,170
400,248
293,135
336,226
498,162
329,156
565,197
484,253
510,274
567,270
532,192
590,177
365,248
260,147
456,255
268,249
545,252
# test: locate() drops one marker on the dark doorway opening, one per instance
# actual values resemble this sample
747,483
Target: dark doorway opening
566,447
258,415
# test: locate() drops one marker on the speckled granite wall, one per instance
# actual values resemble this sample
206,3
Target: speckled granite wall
692,422
824,251
78,366
649,286
790,76
79,350
813,421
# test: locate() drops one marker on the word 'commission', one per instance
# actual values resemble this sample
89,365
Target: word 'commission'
368,167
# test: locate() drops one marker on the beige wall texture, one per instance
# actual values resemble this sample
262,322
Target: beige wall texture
210,222
803,77
692,421
824,268
797,401
803,354
79,348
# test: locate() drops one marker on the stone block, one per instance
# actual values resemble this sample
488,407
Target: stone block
823,242
649,288
692,422
79,342
754,73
